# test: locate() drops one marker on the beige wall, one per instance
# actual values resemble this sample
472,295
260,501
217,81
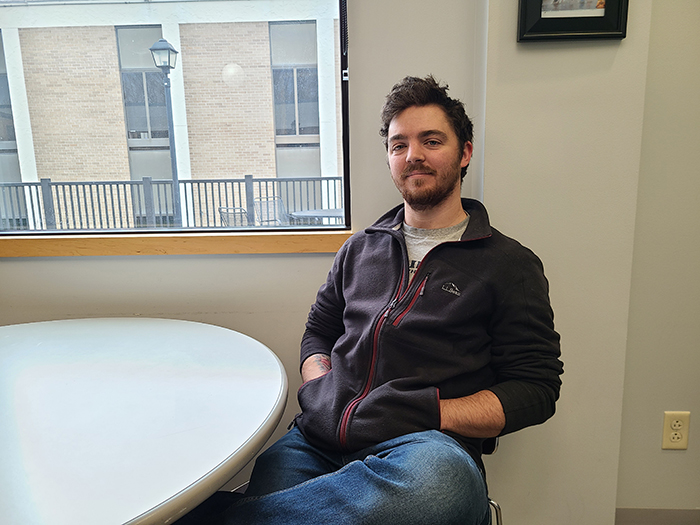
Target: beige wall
663,357
75,103
229,114
563,143
564,146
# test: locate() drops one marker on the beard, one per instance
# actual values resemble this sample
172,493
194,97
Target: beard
420,194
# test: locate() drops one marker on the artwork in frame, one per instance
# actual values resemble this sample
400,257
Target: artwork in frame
571,19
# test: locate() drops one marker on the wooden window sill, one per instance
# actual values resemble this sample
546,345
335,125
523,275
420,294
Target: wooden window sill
69,245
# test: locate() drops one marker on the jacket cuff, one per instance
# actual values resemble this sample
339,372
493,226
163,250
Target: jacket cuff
524,404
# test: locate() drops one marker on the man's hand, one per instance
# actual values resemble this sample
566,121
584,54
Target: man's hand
315,366
479,415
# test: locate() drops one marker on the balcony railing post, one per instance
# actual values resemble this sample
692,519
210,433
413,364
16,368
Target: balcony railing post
250,198
47,197
148,202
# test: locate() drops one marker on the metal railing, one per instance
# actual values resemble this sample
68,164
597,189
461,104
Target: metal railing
148,203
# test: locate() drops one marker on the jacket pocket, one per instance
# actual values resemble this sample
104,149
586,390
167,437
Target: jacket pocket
390,411
320,411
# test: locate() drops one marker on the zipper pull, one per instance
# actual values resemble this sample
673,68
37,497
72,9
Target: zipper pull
294,421
423,285
391,306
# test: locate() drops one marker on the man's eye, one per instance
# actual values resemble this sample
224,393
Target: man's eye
397,147
433,142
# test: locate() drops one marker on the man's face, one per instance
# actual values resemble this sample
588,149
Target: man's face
424,156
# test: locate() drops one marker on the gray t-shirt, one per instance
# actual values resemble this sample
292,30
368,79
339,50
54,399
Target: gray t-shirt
419,241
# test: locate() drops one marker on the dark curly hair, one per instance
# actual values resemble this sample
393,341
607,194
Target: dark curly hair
414,91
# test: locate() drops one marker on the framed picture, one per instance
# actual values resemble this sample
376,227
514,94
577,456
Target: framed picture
571,19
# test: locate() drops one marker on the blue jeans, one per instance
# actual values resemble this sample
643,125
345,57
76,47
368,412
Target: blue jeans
421,478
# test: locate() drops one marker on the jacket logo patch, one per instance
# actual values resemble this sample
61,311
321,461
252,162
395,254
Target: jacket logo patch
451,288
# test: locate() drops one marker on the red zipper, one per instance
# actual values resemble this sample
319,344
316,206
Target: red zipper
372,368
418,293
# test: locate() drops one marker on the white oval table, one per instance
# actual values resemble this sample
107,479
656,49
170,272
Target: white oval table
128,421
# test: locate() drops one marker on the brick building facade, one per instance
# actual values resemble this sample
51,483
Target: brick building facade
75,103
228,97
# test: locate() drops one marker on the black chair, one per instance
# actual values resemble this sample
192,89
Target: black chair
489,447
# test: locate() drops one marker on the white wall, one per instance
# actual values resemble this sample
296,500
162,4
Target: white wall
563,147
664,333
393,39
563,140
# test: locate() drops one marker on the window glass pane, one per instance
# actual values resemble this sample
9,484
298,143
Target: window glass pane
285,110
299,161
13,206
256,112
9,166
156,105
7,127
307,89
4,91
134,44
293,43
135,105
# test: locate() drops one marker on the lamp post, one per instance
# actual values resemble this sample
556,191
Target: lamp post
165,57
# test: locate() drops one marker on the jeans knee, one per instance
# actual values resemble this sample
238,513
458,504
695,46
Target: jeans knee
451,468
440,480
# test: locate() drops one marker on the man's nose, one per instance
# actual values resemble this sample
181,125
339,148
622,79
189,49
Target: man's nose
415,153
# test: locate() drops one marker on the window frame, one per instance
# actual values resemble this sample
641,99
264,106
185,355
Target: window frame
204,243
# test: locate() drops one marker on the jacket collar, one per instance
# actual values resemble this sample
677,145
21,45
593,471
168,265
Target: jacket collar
478,227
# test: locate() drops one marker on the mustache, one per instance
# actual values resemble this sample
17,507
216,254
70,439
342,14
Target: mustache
417,167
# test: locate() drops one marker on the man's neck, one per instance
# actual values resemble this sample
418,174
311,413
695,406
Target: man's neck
448,213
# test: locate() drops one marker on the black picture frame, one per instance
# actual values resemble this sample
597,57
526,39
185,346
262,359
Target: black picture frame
532,26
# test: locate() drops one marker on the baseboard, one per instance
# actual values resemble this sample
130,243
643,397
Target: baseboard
657,517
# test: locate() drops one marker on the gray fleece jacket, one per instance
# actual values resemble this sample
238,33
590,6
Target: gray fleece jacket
475,316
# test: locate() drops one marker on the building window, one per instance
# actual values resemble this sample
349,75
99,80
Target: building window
296,100
144,104
255,118
13,209
7,126
294,59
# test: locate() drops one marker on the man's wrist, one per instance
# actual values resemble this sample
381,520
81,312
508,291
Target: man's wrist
315,366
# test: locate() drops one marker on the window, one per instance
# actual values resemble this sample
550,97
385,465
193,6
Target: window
13,209
142,82
7,127
147,128
255,119
295,78
296,100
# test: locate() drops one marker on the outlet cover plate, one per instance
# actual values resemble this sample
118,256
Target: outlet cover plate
676,427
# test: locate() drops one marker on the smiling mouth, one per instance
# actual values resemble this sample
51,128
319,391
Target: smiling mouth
417,172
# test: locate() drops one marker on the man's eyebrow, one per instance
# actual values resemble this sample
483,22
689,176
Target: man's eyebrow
433,132
422,134
398,136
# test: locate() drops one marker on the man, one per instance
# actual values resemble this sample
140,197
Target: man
432,332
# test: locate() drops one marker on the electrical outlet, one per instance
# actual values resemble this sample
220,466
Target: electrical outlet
676,427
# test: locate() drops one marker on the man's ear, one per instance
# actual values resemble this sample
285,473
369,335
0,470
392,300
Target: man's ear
466,154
